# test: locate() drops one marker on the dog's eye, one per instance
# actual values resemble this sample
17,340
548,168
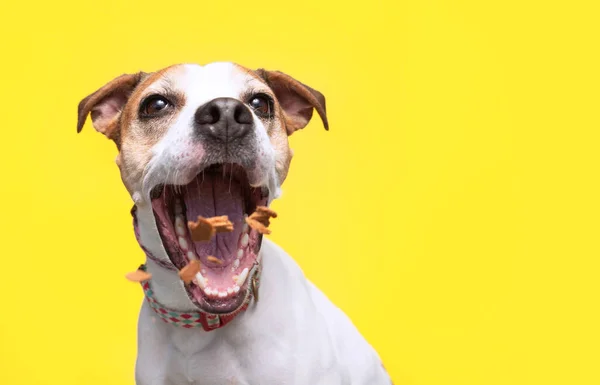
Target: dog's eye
262,105
153,105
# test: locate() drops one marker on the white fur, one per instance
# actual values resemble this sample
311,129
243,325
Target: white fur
292,335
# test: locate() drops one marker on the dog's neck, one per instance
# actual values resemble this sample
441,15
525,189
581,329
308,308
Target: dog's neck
165,294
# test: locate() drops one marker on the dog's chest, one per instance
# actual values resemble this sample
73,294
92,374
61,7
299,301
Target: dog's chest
230,363
237,357
243,352
286,339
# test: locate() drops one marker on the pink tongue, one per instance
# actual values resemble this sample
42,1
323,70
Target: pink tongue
212,195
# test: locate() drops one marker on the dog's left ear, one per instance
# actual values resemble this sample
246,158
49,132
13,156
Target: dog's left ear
296,99
106,103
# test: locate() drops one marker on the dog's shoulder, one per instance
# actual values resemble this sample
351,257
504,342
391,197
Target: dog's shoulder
276,258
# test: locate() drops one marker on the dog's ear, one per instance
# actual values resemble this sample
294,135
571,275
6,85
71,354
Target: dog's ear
106,103
296,99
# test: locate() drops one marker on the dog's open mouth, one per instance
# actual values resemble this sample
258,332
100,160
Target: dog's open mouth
229,258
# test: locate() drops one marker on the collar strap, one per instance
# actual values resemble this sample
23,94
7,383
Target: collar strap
193,319
196,319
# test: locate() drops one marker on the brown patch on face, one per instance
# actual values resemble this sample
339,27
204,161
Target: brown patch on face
276,129
279,140
130,111
253,74
138,135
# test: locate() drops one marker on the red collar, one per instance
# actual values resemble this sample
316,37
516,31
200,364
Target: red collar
192,319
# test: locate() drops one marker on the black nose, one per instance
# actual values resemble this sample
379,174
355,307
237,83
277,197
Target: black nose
225,119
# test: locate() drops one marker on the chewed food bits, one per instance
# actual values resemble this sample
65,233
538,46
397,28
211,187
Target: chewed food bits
212,259
188,273
263,210
205,228
259,220
138,276
259,226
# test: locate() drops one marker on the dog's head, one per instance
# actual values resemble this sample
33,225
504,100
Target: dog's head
204,141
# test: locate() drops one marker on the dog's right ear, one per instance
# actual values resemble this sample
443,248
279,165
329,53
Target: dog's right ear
105,104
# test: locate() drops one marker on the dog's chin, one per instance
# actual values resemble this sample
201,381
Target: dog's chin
221,189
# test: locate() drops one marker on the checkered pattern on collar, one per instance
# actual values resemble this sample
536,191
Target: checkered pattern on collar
195,319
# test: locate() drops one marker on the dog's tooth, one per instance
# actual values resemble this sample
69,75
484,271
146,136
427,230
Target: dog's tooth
230,290
245,239
179,226
245,227
178,208
236,288
200,280
183,243
242,278
222,294
236,264
191,256
240,253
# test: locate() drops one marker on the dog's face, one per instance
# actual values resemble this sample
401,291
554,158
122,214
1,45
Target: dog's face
204,141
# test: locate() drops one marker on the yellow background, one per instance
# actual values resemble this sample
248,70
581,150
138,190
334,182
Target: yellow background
452,210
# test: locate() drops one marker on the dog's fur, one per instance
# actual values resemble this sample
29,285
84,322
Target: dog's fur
293,334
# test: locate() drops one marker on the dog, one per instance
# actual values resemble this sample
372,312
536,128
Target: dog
209,141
